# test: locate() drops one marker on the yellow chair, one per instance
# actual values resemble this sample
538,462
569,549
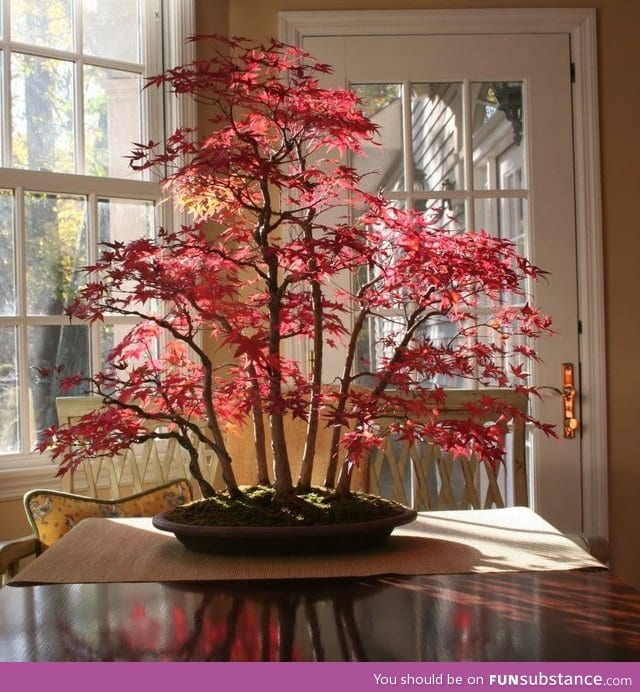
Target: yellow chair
52,513
138,482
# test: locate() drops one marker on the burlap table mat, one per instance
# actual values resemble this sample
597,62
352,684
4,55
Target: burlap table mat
131,550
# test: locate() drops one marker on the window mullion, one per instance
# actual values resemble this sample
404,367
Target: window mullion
6,89
79,89
93,237
25,434
467,136
407,144
79,116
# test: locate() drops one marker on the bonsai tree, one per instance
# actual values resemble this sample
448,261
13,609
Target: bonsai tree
278,216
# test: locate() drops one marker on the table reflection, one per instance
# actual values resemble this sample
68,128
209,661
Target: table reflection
516,616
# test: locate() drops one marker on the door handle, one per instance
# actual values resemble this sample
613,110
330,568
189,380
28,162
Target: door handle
569,392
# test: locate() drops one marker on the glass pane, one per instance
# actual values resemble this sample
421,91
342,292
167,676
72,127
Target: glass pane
42,107
442,334
9,412
112,29
8,303
56,248
43,23
383,104
125,219
111,335
112,120
2,109
445,214
498,128
506,217
437,142
52,346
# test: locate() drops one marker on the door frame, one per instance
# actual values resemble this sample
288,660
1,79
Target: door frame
580,26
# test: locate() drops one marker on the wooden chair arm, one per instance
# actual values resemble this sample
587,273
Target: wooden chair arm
12,551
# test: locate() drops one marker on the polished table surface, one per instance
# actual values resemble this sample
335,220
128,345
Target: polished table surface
569,615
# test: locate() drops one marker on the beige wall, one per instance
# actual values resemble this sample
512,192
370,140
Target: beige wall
619,62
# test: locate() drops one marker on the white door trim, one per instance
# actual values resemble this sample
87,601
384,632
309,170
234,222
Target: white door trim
580,25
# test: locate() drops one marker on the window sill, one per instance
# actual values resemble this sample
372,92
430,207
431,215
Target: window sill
18,477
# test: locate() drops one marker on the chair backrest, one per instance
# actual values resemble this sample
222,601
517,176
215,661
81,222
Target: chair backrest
52,513
424,477
419,475
153,462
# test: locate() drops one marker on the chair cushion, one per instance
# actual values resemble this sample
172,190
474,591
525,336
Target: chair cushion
52,513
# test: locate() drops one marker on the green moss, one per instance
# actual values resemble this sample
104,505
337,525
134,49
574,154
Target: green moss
258,507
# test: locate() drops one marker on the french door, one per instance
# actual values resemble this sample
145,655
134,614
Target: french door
476,130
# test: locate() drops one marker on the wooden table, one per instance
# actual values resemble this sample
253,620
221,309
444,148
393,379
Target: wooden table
515,616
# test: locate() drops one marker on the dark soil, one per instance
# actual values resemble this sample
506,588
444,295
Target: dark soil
257,507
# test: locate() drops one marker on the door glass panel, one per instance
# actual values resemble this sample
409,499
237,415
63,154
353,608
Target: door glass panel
446,214
43,23
437,141
437,158
56,249
382,103
112,120
506,217
9,442
498,129
8,303
42,108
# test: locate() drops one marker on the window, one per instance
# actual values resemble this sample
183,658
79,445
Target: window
71,106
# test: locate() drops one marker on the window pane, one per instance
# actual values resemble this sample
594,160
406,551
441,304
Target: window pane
43,23
110,335
112,29
2,113
112,122
437,142
9,438
383,104
56,248
125,219
42,106
8,304
49,347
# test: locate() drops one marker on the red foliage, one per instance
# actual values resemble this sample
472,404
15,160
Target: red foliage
271,175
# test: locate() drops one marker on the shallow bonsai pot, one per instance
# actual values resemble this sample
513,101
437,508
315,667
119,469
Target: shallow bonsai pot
284,540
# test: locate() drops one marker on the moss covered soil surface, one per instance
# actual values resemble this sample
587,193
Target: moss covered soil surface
257,507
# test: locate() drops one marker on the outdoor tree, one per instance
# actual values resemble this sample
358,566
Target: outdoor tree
279,216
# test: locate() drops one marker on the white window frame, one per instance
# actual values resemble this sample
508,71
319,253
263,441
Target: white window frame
580,26
20,472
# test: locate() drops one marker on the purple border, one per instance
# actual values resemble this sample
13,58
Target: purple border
316,677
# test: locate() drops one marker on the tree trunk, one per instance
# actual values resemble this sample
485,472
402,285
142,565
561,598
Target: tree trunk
345,384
